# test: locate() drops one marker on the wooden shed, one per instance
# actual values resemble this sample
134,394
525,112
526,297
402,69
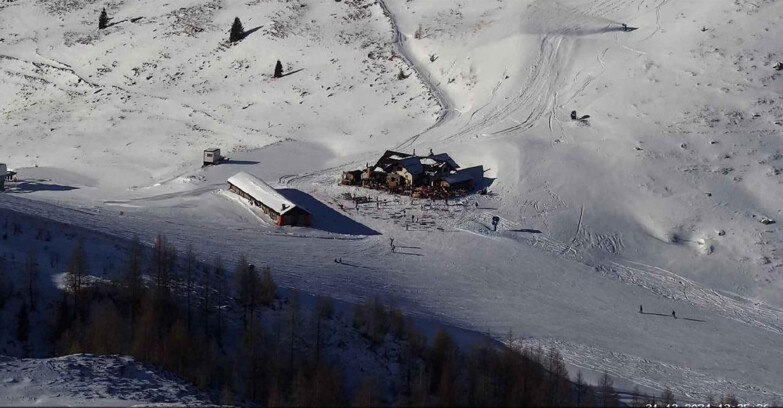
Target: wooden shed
281,210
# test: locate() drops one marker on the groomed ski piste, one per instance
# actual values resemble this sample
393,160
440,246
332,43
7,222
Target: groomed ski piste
656,200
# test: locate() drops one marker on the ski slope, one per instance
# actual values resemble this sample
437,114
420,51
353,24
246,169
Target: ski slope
655,200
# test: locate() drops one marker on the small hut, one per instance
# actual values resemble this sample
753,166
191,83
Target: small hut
351,178
212,156
280,209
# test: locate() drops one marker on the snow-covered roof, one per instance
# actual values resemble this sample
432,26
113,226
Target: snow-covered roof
262,192
444,157
413,165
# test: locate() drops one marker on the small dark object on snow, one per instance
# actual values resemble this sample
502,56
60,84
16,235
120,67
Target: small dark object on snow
767,221
778,66
674,315
103,20
278,69
495,221
574,116
640,309
627,29
703,29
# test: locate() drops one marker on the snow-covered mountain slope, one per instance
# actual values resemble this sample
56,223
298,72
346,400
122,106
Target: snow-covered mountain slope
82,379
141,99
655,200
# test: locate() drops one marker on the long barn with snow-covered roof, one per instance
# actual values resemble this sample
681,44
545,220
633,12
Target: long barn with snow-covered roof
280,209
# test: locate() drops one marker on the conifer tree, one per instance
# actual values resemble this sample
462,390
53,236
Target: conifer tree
237,31
221,294
31,278
74,277
268,288
103,20
278,69
189,269
23,324
106,332
607,396
133,281
5,285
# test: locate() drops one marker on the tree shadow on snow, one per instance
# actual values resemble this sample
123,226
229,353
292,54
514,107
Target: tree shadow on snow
291,73
324,217
250,31
115,23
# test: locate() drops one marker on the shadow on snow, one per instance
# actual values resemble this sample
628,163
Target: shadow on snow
324,217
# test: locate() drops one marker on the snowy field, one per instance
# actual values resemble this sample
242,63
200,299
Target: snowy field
82,379
656,200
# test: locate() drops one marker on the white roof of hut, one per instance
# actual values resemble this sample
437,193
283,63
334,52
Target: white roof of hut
262,192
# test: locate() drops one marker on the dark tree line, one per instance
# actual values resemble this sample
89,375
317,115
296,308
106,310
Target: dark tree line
244,343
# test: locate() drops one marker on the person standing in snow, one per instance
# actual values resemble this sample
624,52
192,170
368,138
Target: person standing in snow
674,315
640,309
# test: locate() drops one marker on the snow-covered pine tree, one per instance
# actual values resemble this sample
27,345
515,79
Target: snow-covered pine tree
103,20
237,31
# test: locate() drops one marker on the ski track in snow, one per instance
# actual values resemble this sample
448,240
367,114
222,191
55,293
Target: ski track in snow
673,286
447,108
655,375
